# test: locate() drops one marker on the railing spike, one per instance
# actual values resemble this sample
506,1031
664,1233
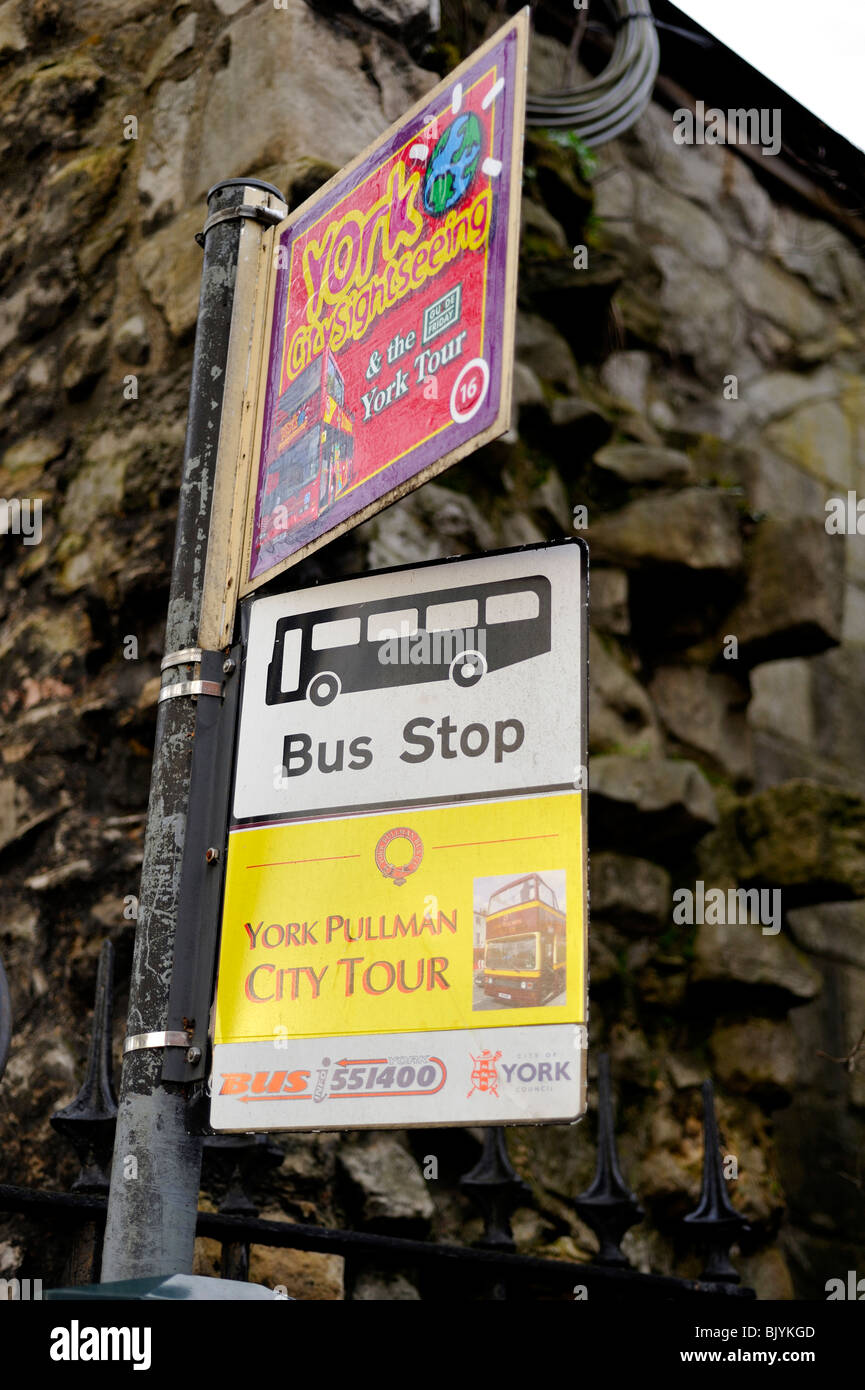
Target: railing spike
241,1160
715,1222
496,1187
89,1121
608,1206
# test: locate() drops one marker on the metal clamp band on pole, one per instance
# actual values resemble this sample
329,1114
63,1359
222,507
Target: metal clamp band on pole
270,216
172,692
188,654
139,1040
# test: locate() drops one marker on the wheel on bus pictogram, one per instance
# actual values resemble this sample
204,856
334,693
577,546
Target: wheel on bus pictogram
323,688
467,668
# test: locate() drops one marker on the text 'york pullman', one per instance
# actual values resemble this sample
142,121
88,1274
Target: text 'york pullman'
269,982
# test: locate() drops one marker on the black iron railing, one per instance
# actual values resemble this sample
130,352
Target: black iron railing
490,1269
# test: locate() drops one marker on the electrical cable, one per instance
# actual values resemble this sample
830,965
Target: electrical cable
610,103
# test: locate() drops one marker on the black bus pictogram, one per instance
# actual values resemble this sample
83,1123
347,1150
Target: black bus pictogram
456,634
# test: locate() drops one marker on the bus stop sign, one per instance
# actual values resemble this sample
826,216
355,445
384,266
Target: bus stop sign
404,924
388,314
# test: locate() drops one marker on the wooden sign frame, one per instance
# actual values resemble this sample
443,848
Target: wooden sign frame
232,475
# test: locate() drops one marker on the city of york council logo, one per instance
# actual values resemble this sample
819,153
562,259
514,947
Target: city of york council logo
485,1077
398,873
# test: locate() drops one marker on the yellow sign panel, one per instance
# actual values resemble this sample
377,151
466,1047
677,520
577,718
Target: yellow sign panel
410,921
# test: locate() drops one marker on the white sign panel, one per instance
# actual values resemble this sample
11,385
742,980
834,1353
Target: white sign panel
473,1077
415,687
404,930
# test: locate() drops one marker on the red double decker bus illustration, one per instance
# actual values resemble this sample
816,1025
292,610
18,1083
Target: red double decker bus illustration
310,451
524,955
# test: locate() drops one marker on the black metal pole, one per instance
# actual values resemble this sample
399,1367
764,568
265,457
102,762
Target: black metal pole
155,1175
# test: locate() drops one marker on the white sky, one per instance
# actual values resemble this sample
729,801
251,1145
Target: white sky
814,49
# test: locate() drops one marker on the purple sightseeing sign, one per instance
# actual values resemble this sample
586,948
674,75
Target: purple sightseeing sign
390,331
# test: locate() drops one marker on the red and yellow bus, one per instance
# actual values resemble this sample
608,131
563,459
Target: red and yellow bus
310,451
524,953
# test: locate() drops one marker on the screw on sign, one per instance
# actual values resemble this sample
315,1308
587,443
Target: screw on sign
485,1076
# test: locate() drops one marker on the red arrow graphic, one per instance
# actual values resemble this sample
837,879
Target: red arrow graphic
361,1061
246,1099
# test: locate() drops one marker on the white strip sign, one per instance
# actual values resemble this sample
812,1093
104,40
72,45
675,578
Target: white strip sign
415,686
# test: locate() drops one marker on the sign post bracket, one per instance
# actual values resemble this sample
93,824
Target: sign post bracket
201,877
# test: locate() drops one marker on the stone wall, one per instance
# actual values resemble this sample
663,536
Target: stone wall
699,388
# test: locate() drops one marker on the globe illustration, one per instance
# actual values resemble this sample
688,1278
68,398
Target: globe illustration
453,164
